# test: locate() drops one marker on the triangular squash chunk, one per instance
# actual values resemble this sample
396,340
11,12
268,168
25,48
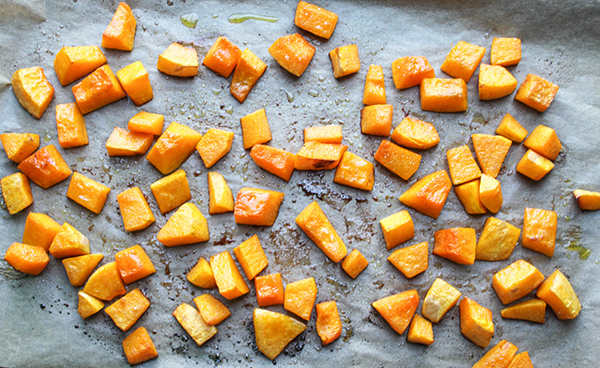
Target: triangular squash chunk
19,146
191,320
80,268
88,305
429,194
105,283
274,331
186,226
398,309
491,151
533,310
412,260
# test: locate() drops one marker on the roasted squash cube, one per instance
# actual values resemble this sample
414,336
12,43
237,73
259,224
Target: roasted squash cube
255,129
505,51
533,310
440,298
444,95
397,228
420,331
543,140
80,268
411,261
19,146
510,128
539,230
70,126
211,309
323,134
398,160
497,240
16,192
136,83
490,193
126,311
134,264
300,297
251,257
257,207
399,309
220,197
124,143
105,283
138,347
228,278
201,275
409,71
462,60
316,20
534,166
269,290
536,92
146,122
186,226
491,151
135,210
222,57
276,161
586,200
171,191
376,120
178,61
26,258
33,90
293,53
499,356
40,230
344,60
87,192
120,33
462,165
374,86
72,63
97,90
468,194
428,195
495,82
329,325
456,244
521,360
558,292
274,331
415,133
354,263
214,145
476,322
88,305
69,242
313,221
319,156
173,147
192,322
247,72
515,281
355,172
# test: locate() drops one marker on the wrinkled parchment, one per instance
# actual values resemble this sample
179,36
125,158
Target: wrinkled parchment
39,324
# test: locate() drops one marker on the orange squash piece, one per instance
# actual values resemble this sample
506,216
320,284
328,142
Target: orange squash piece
319,156
222,57
420,331
88,305
135,210
521,360
490,193
228,278
586,200
201,275
313,221
136,83
533,310
269,290
329,325
456,244
398,160
134,264
323,134
69,242
491,151
171,191
274,331
126,311
192,322
120,33
398,309
293,53
444,95
251,257
354,263
211,309
33,90
505,51
105,283
462,60
276,161
440,298
428,195
27,258
374,86
462,165
495,82
213,145
468,194
515,281
415,133
497,240
476,322
376,120
510,128
257,207
178,61
558,292
80,268
539,230
411,261
220,197
124,143
45,167
300,297
70,126
186,226
146,122
355,172
173,147
16,192
409,71
500,356
397,229
534,166
97,90
344,60
316,20
72,63
87,192
247,72
40,230
19,146
543,140
536,92
138,347
255,129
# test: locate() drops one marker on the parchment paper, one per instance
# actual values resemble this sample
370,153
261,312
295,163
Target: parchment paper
39,324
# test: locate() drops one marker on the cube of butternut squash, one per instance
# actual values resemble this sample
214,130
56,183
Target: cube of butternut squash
444,95
505,51
344,60
313,221
558,292
274,331
276,161
374,93
134,264
173,147
146,122
411,261
211,309
586,200
510,128
80,268
269,290
501,355
329,325
536,92
300,297
186,226
220,197
70,126
316,20
354,263
33,90
87,192
539,230
97,90
543,140
533,310
105,283
72,63
420,331
293,53
456,244
440,298
462,165
213,145
521,360
355,172
409,71
40,230
257,207
491,151
476,322
228,278
251,257
247,72
88,305
16,192
171,191
201,275
534,166
135,211
376,119
323,134
428,195
397,229
222,57
126,311
120,33
136,83
462,60
124,143
497,240
138,347
515,281
490,193
19,146
495,82
69,242
398,309
192,322
255,129
415,133
26,258
398,160
319,156
178,61
468,194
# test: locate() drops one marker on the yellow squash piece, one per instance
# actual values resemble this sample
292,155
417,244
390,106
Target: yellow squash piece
490,193
491,151
319,156
69,242
462,60
429,194
134,264
126,311
146,122
136,83
248,70
411,261
355,172
87,192
444,95
255,128
313,221
300,297
173,147
376,119
439,299
536,92
543,140
468,194
329,325
88,305
251,257
80,268
415,133
586,200
171,191
138,347
558,292
33,90
354,263
510,128
45,167
120,33
259,207
515,281
344,60
500,356
97,90
72,63
476,322
70,126
409,71
533,310
398,160
274,331
505,51
497,240
19,146
40,230
228,278
374,86
534,166
398,309
211,309
190,319
105,283
420,331
220,196
16,192
314,19
124,143
397,228
186,226
214,145
293,52
202,275
178,61
462,165
539,230
521,360
495,82
26,258
135,211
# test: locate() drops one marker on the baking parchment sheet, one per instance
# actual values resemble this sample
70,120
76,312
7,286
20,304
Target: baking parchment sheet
39,324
